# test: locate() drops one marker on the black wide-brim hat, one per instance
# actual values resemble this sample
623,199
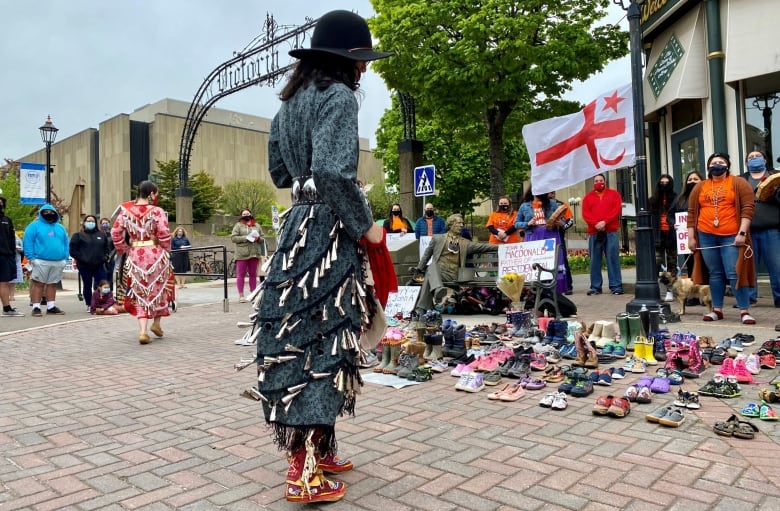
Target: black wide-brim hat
342,33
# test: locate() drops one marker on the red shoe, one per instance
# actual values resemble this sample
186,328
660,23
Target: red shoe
768,360
333,464
741,372
320,490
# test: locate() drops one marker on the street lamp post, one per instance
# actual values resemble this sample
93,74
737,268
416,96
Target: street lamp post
647,291
48,134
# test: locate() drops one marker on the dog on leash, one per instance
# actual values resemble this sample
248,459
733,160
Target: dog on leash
684,289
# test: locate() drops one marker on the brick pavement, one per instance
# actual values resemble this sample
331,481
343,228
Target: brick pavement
89,419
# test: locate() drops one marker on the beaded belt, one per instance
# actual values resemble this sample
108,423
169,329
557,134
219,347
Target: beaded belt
144,243
304,191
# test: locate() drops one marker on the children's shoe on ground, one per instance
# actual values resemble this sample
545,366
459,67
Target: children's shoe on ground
619,408
673,418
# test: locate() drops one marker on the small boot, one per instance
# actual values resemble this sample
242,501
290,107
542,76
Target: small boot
607,334
384,351
391,366
596,332
436,351
428,353
455,346
582,351
622,323
634,330
655,327
647,350
306,482
591,357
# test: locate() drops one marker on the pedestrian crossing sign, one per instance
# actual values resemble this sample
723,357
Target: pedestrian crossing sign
424,181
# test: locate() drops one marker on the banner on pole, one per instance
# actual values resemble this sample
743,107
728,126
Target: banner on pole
32,183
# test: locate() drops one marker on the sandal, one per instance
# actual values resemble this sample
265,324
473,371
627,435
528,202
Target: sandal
746,430
747,319
727,427
766,413
751,410
715,315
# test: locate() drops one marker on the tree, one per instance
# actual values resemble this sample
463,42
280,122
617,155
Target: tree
497,64
462,176
20,214
257,196
205,196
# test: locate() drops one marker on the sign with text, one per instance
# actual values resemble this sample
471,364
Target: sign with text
681,232
397,241
424,242
402,301
32,183
521,257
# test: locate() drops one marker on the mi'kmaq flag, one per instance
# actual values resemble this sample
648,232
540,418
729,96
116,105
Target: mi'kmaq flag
567,150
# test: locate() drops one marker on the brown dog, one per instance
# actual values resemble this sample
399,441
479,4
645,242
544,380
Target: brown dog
684,288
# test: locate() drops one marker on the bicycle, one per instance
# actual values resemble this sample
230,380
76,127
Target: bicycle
207,264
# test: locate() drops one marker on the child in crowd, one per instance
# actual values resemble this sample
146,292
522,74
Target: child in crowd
103,302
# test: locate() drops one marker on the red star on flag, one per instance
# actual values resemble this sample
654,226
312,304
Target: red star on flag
612,101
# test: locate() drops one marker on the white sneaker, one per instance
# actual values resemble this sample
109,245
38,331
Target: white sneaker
13,312
669,297
241,299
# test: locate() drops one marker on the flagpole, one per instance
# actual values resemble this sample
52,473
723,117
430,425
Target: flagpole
647,291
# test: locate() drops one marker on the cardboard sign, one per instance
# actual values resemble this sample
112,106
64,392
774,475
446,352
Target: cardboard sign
402,301
521,257
681,232
397,241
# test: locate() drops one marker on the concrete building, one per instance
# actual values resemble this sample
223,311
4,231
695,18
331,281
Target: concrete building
110,160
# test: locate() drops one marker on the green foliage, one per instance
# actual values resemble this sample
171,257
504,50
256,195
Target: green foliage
257,196
20,214
380,201
580,264
205,196
482,70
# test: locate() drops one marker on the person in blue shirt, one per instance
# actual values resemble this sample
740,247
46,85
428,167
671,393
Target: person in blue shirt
46,246
430,223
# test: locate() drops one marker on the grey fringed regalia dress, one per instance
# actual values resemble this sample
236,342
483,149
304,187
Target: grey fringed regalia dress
313,301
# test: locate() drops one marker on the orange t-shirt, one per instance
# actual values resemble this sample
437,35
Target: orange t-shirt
398,224
725,211
503,221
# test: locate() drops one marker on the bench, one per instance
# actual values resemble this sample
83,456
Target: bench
481,270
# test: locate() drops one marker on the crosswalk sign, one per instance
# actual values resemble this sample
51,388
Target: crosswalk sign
424,181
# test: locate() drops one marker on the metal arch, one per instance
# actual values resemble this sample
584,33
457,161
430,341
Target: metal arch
238,73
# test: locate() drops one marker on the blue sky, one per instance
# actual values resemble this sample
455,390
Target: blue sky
85,61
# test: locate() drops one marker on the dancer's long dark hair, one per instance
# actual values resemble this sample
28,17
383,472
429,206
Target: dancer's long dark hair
322,69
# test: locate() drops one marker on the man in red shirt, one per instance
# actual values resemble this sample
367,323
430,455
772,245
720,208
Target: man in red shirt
601,210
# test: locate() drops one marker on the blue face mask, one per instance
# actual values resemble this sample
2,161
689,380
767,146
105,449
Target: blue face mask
89,225
756,165
105,290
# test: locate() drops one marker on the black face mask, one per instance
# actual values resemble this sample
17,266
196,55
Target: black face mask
49,218
689,187
429,213
396,213
246,218
718,170
503,207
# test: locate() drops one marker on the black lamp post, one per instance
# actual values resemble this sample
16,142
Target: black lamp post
647,291
48,134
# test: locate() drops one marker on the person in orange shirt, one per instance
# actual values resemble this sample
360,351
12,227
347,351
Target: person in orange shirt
501,223
396,222
720,210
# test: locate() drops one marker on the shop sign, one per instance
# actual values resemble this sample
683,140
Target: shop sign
665,65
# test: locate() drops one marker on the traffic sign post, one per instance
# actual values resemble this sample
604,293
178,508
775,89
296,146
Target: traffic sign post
424,181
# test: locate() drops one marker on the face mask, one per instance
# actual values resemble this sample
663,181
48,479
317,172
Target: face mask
396,213
756,165
599,187
105,290
663,186
429,213
49,217
105,226
718,170
89,225
689,187
503,207
246,218
179,235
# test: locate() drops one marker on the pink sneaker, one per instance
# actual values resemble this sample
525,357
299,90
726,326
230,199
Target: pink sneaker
741,372
727,367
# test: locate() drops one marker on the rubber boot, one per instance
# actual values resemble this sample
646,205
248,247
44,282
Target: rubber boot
644,321
561,330
455,346
647,352
385,354
622,323
634,330
655,327
390,368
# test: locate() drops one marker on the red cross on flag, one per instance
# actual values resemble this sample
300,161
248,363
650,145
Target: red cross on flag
567,150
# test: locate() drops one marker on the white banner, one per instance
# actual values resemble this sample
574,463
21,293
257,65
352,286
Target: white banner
32,183
567,150
681,232
520,258
402,301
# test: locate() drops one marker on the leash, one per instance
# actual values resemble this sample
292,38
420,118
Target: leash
748,249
